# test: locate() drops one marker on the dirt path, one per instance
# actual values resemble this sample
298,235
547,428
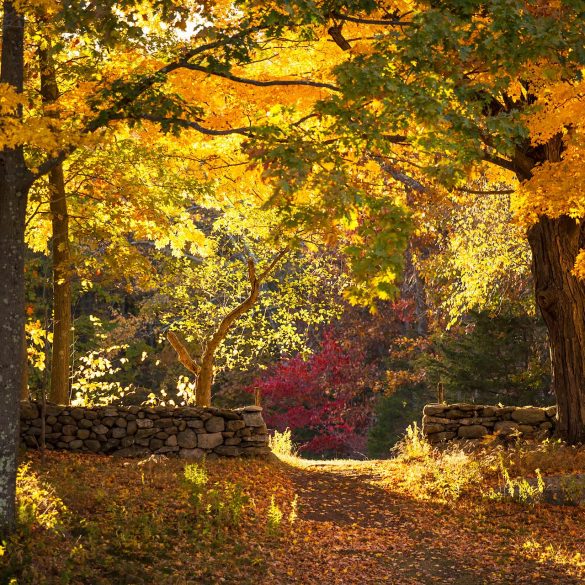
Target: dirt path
353,530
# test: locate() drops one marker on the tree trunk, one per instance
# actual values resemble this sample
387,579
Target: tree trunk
61,257
13,198
560,297
24,379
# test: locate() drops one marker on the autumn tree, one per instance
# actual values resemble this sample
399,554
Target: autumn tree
449,90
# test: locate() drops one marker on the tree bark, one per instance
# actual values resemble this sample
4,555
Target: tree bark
560,297
61,256
13,199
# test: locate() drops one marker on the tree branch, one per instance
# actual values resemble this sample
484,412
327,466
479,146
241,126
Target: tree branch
183,353
258,83
382,22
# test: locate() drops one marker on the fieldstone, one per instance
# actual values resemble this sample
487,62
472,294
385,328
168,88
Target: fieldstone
209,441
83,434
551,411
145,433
171,441
144,442
66,419
251,408
196,454
92,445
77,413
155,444
438,437
84,423
163,450
69,430
53,409
77,444
256,451
118,432
181,425
256,439
436,419
226,451
529,415
472,432
162,435
526,429
127,441
235,425
546,425
506,427
37,422
28,411
253,419
133,451
51,420
489,411
232,441
132,427
90,414
144,423
434,409
100,429
188,439
245,432
121,422
215,424
429,429
195,424
165,422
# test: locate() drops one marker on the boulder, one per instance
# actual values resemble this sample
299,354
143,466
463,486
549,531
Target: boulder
215,424
529,415
187,439
472,432
210,440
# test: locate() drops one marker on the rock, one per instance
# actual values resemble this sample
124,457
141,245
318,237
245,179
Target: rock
209,441
195,424
84,424
546,425
67,420
529,415
92,445
168,450
489,411
251,408
145,433
253,419
506,427
132,452
127,441
435,409
77,413
69,430
227,451
132,427
28,411
118,432
215,424
472,432
83,434
526,429
436,419
100,429
465,406
155,444
121,422
144,423
235,425
171,441
51,420
232,441
551,411
77,444
187,439
165,422
196,454
429,429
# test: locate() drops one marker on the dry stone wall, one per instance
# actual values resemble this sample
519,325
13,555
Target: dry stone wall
444,422
135,431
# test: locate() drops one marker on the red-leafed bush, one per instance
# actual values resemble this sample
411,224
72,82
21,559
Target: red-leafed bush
326,399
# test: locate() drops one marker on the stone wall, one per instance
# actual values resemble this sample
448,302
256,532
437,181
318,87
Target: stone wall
443,422
135,431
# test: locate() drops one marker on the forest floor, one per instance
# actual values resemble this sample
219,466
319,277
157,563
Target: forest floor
96,520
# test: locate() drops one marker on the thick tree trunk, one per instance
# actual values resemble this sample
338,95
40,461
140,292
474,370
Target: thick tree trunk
13,197
560,297
62,321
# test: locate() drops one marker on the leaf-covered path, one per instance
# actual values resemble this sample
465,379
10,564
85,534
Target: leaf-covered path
357,529
128,522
